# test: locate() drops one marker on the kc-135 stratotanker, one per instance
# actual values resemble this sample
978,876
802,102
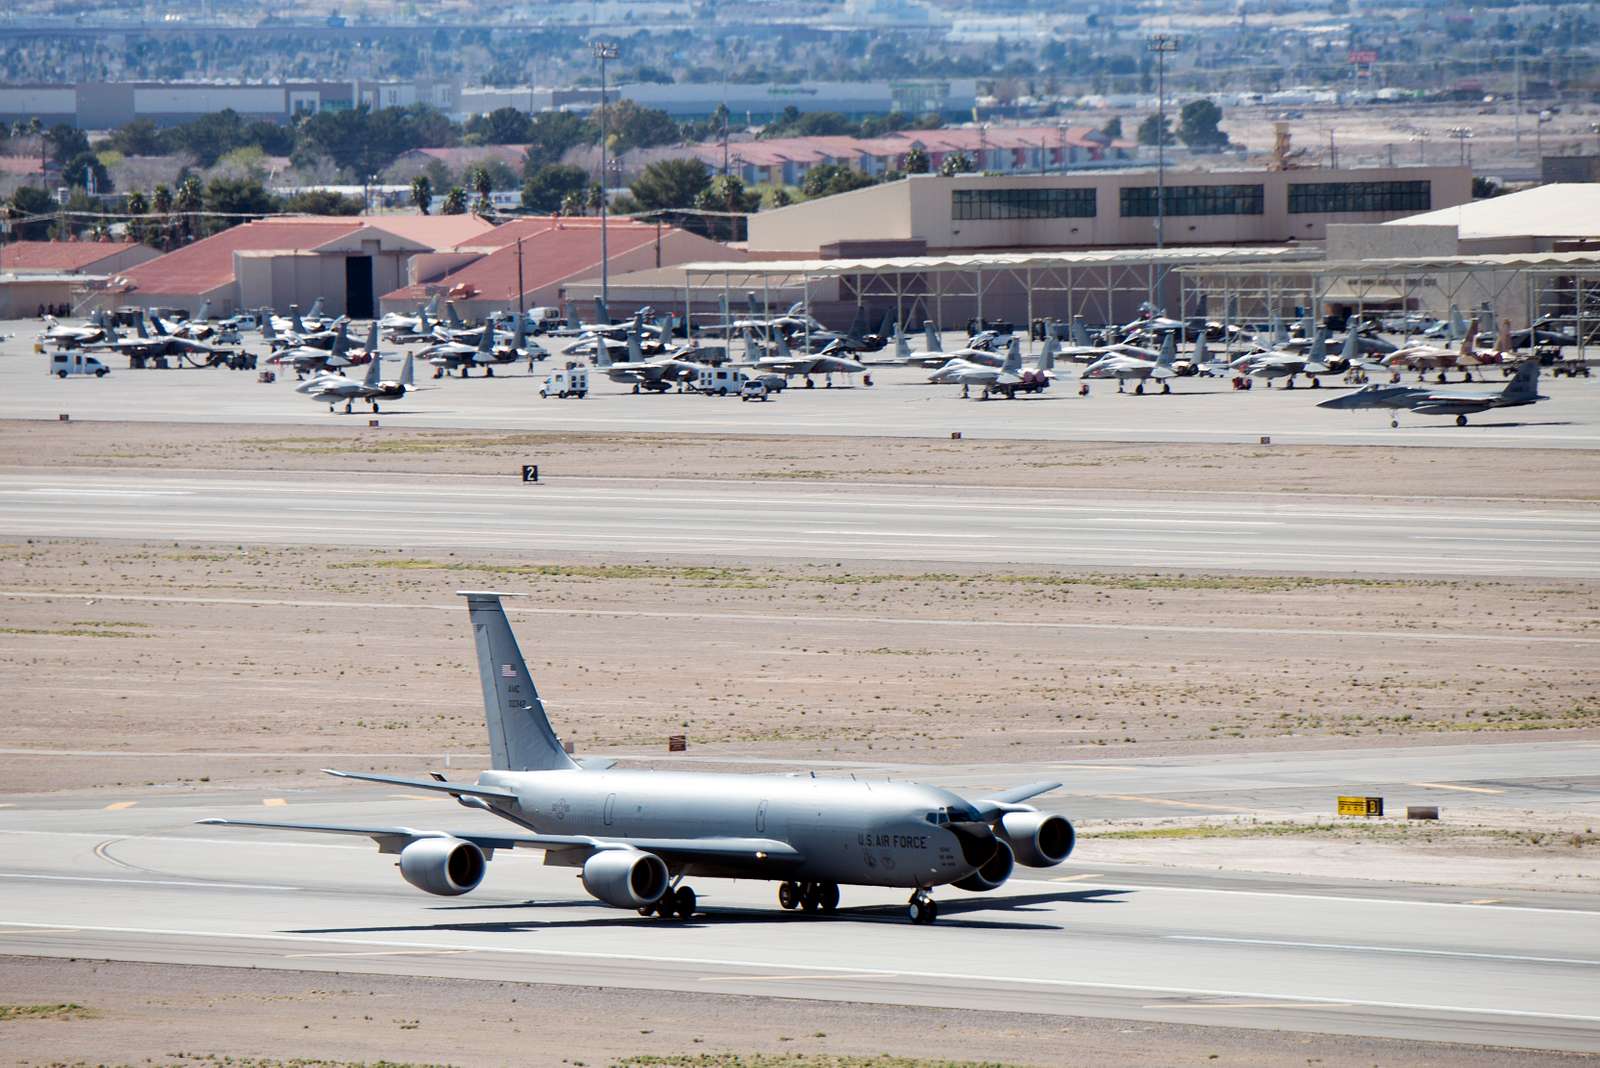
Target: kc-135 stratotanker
636,835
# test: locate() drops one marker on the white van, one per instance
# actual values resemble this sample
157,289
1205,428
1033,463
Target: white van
63,364
572,382
720,381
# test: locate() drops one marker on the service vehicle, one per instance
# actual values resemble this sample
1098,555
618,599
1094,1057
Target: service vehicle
569,382
74,362
754,390
720,381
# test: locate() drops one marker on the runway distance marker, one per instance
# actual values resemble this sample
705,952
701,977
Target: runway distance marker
118,806
273,802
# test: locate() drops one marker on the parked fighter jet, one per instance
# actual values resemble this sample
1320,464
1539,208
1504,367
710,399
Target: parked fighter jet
1522,389
635,834
829,362
145,347
399,328
656,374
329,388
1009,379
71,337
447,356
1125,366
308,358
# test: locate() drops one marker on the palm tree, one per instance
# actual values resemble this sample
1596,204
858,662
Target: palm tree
455,201
478,181
189,201
135,204
161,204
917,160
421,193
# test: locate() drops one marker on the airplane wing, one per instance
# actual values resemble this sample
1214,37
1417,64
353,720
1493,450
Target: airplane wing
394,839
443,786
1018,794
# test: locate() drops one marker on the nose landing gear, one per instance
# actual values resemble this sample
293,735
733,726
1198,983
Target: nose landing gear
922,909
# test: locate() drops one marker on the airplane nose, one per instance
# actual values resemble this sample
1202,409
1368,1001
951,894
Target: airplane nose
977,839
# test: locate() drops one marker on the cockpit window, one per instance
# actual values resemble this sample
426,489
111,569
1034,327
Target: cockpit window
939,818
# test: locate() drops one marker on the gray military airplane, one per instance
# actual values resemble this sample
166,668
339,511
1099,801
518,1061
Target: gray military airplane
830,361
635,835
1522,389
330,388
655,374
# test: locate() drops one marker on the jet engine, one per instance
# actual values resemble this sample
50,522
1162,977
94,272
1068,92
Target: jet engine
626,878
996,871
1038,840
444,866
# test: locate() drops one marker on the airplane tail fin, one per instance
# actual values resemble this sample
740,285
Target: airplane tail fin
1047,355
1457,326
572,318
451,314
341,341
157,325
931,332
635,350
902,351
407,375
1279,333
889,324
1524,384
268,331
1487,317
372,337
431,308
139,326
316,309
1352,344
520,735
1169,349
858,326
374,373
1080,332
784,351
1468,337
1319,347
295,322
1013,357
1200,354
485,343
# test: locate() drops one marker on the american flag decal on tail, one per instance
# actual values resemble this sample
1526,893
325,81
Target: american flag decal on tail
507,671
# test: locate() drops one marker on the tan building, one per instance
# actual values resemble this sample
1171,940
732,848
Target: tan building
1114,209
50,275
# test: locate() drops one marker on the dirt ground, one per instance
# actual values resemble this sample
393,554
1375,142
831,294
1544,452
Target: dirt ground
228,656
139,1014
1201,469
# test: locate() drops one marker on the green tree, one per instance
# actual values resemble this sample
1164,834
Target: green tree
631,126
1150,131
187,202
547,188
477,180
1113,127
726,193
81,168
828,179
575,202
421,193
323,202
135,203
31,200
232,198
781,197
956,163
66,143
502,126
138,138
1197,125
670,183
917,161
455,202
550,134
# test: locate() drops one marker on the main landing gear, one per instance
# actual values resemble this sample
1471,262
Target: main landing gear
922,908
679,903
809,897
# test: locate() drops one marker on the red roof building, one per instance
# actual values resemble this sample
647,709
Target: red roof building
72,257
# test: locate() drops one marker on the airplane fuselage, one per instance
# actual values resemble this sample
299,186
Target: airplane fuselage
846,830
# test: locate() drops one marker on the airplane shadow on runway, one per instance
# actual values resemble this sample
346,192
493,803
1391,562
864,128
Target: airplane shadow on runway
1483,426
720,916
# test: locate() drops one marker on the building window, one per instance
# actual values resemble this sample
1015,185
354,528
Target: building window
1309,197
1022,204
1140,201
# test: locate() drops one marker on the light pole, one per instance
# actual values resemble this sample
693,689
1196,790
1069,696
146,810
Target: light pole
603,51
1538,141
1462,134
1161,44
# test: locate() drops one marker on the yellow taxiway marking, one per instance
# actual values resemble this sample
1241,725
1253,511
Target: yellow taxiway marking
1168,801
118,806
1075,878
1256,1005
1095,767
786,978
7,804
413,797
1452,786
273,802
1487,901
385,953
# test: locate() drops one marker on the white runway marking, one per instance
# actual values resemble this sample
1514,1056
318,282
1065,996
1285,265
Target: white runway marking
145,882
1384,949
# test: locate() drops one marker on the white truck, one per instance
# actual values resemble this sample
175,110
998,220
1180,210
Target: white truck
74,362
571,382
720,381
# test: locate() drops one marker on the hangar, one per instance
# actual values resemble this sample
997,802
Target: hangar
276,262
35,274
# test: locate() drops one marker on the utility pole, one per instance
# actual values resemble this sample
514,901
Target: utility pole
1161,44
603,51
521,313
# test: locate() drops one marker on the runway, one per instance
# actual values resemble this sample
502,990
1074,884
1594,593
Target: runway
746,521
141,882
